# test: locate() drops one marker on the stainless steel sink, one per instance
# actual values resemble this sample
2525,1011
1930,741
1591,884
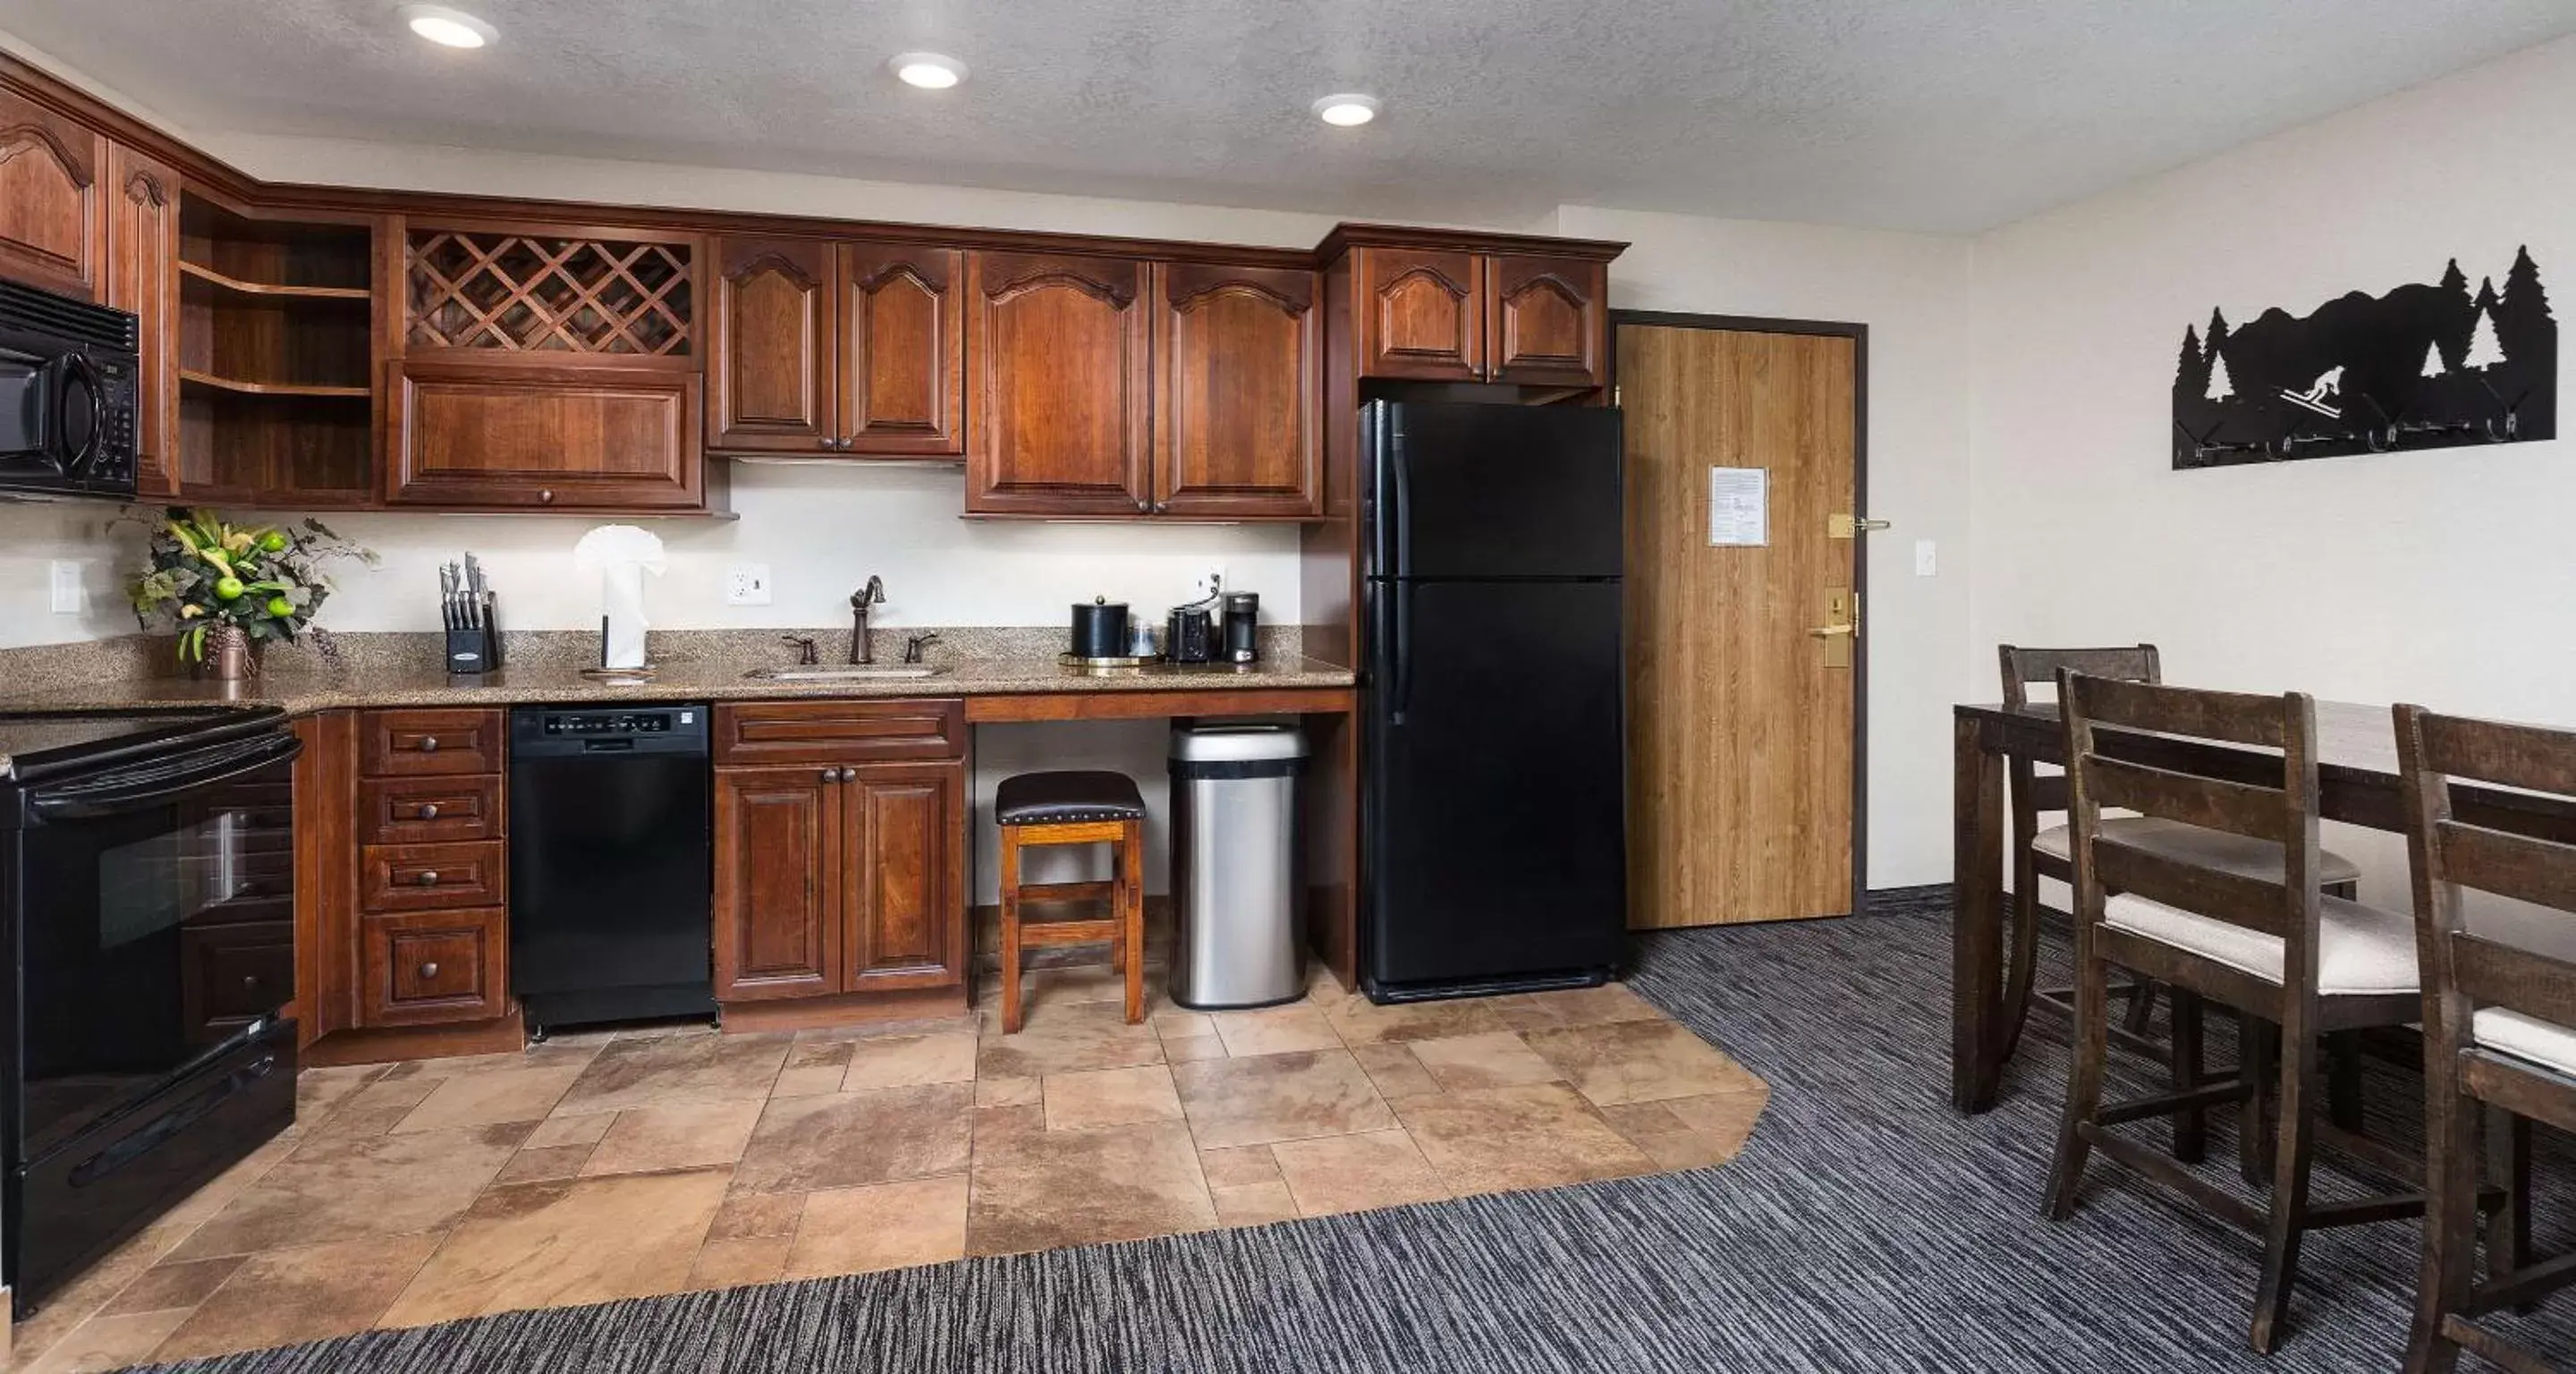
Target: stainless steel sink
855,672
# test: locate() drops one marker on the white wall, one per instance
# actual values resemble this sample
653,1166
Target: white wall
1913,291
2440,577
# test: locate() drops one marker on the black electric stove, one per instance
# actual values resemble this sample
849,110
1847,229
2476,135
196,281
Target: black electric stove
147,903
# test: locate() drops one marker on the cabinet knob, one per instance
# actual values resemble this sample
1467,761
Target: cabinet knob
546,496
250,982
831,775
848,773
429,744
430,969
429,811
428,877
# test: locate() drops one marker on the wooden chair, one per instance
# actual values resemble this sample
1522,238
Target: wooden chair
2039,852
2499,1011
1074,808
2270,944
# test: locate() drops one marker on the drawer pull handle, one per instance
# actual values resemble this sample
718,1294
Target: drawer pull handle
546,496
831,775
430,969
429,811
429,744
250,982
428,877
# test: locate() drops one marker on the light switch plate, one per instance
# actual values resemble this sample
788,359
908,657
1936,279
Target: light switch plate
747,584
1925,562
64,576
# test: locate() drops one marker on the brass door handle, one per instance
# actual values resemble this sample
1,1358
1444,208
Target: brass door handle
1829,631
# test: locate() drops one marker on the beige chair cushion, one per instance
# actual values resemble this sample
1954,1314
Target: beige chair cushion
2360,949
2238,854
2526,1037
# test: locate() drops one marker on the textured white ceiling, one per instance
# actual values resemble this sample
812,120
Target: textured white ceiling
1914,114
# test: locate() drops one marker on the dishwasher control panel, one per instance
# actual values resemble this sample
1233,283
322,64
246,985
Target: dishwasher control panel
555,731
617,723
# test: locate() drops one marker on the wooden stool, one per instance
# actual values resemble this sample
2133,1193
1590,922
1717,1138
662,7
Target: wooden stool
1074,808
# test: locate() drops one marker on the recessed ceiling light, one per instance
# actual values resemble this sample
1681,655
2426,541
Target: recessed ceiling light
447,27
1346,111
928,70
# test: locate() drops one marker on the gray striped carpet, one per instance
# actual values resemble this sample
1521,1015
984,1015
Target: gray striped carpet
1865,1228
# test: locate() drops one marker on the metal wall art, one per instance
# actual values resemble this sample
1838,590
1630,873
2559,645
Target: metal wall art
2424,366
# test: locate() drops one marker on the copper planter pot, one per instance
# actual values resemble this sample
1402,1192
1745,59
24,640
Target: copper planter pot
231,655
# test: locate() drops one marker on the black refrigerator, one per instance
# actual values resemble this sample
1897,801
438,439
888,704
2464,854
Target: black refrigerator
1494,797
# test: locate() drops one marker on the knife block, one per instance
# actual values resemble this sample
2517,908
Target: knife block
476,649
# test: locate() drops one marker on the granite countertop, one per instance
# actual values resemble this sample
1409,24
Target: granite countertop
698,680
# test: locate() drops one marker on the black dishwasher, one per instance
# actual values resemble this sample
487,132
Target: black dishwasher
611,876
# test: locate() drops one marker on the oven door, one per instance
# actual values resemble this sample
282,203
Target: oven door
157,919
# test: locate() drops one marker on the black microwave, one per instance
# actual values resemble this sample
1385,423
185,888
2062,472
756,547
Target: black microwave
68,373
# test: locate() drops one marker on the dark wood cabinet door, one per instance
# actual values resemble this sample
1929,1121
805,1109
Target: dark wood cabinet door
1549,320
780,868
424,968
906,831
1421,314
1238,396
52,211
773,369
143,276
902,346
1057,354
469,432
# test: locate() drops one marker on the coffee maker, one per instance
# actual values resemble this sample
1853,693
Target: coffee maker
1242,627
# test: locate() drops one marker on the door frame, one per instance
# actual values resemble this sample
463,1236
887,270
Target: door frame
1859,335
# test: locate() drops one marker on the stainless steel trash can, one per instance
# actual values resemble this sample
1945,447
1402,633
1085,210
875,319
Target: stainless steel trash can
1234,866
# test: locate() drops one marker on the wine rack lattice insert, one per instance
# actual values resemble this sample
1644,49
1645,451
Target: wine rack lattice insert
527,293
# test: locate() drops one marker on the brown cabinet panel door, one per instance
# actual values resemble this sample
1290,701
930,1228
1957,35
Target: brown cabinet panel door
903,350
431,742
1238,405
472,433
52,220
1058,356
428,877
1550,321
433,967
1422,315
750,732
907,922
428,810
779,876
143,276
773,347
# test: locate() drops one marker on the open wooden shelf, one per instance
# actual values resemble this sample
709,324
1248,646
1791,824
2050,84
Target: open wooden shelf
190,377
199,277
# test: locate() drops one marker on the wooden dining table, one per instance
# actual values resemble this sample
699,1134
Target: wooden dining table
2358,783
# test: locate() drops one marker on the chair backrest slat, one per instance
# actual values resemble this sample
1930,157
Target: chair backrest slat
2236,717
2507,851
2022,667
2230,897
2210,803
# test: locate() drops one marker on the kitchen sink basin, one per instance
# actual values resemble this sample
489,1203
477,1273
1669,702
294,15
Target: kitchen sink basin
855,672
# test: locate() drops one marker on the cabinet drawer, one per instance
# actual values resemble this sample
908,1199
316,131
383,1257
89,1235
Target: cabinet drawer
437,743
840,731
428,877
230,975
429,810
419,968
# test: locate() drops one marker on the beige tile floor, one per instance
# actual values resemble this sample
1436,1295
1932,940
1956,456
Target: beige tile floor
613,1166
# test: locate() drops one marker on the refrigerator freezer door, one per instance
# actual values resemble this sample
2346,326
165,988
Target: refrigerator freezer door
1492,491
1496,821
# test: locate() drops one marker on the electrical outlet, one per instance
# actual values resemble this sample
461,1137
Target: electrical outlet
747,584
65,580
1925,564
1210,582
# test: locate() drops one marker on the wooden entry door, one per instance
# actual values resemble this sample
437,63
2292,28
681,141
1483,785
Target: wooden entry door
1742,790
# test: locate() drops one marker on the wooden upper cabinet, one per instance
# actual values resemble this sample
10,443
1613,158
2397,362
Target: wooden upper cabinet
1238,395
902,350
1421,314
548,295
53,216
1057,359
469,432
1548,320
143,276
773,373
905,912
779,848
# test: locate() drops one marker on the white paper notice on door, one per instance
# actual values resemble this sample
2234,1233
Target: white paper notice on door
1739,506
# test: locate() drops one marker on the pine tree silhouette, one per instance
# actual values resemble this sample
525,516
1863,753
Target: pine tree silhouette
2190,375
2221,386
2522,320
2433,364
2484,349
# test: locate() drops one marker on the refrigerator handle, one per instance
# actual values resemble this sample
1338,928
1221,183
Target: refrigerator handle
1400,645
1399,508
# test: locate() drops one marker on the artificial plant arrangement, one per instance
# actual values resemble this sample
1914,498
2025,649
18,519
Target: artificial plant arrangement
235,586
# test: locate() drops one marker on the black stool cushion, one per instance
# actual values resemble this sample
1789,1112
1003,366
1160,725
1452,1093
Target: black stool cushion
1054,798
